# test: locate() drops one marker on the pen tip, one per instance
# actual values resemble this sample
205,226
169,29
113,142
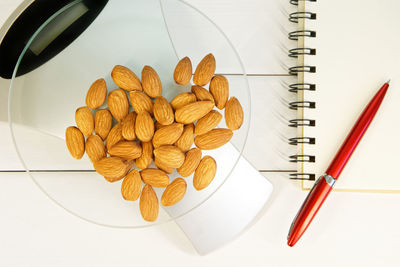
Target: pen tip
388,81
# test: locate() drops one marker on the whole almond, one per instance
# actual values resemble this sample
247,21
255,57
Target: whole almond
144,126
233,114
155,177
183,71
126,150
208,122
204,173
114,136
131,186
111,167
186,140
193,111
118,104
96,94
205,70
148,204
192,160
128,166
141,102
162,166
182,100
219,88
213,139
167,135
102,123
147,156
95,148
202,93
84,120
125,78
163,112
128,126
151,83
75,142
174,192
169,156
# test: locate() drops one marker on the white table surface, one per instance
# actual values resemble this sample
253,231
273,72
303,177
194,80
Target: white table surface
352,229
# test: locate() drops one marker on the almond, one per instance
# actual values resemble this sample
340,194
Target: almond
219,88
233,114
96,94
144,127
169,156
112,167
193,111
174,192
141,102
114,136
183,71
163,112
186,140
208,122
125,78
95,148
118,104
102,123
167,135
131,186
162,166
128,166
205,70
148,204
128,126
155,177
182,100
75,142
202,93
204,173
159,125
84,120
192,160
126,150
213,139
151,82
147,156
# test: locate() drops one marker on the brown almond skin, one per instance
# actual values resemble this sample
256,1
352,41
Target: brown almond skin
102,123
126,150
118,104
204,173
169,156
141,102
128,126
208,122
148,204
219,88
192,160
96,94
146,158
213,139
155,177
144,127
163,112
193,111
84,120
111,167
75,142
205,70
174,192
95,148
202,93
167,135
151,82
183,71
158,125
114,136
125,78
233,114
162,166
186,140
182,100
131,186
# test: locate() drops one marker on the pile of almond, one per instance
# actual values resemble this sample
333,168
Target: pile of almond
146,127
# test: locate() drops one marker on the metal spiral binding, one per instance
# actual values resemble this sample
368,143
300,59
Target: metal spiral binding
296,87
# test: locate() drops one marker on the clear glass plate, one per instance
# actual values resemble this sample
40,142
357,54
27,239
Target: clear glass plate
134,33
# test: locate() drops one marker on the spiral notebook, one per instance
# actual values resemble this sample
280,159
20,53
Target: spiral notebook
344,55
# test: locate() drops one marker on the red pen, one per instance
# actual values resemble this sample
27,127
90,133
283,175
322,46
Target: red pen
324,184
